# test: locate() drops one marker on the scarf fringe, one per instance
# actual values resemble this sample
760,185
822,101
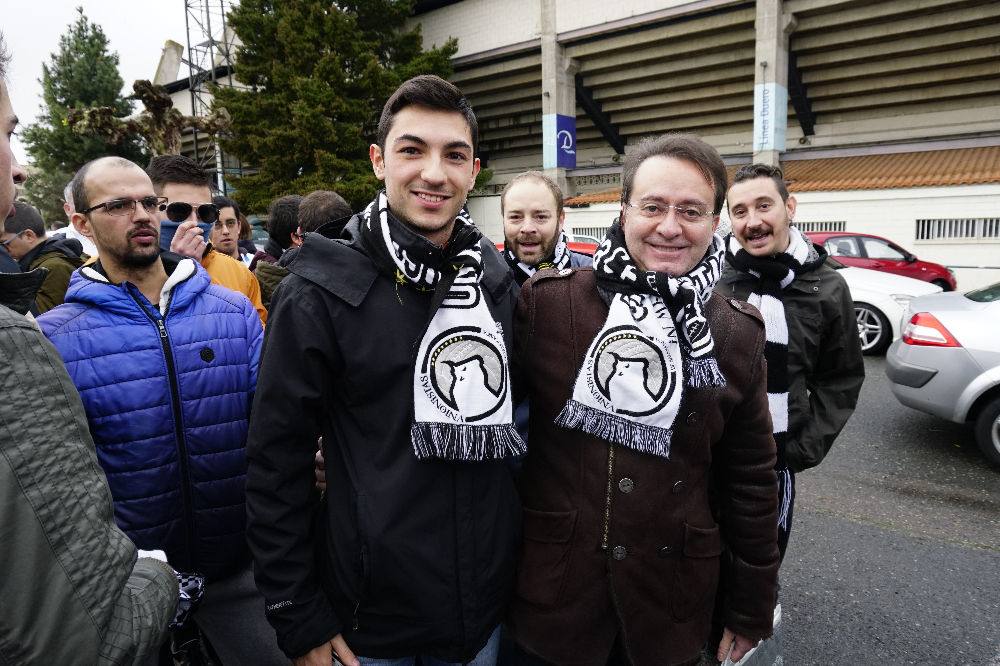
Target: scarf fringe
613,428
454,441
703,373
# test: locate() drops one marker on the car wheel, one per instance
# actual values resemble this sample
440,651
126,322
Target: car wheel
988,430
942,283
873,329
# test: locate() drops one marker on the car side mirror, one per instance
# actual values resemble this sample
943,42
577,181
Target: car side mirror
909,258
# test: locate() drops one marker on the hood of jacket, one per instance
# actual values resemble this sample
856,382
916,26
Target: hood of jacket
90,286
17,290
70,248
356,272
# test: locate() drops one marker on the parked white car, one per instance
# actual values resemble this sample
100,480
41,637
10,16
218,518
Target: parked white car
880,302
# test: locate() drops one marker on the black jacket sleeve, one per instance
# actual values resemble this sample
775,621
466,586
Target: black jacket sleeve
297,369
834,385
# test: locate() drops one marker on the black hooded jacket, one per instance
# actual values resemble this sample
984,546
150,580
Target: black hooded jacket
402,556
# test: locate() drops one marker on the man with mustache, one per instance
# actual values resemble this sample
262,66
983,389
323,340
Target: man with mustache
533,219
166,364
651,448
815,367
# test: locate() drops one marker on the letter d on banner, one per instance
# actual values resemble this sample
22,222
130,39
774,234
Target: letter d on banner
559,136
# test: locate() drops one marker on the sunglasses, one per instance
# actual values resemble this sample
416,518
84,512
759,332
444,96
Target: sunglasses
179,211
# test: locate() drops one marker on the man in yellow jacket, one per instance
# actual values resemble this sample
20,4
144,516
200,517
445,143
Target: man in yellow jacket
189,201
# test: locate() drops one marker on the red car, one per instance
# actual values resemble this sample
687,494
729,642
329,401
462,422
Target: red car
881,254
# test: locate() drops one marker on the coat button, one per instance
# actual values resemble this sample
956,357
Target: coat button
692,419
815,288
665,551
626,485
678,487
618,552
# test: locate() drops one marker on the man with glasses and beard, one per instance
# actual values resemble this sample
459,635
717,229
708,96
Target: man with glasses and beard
651,446
189,203
166,365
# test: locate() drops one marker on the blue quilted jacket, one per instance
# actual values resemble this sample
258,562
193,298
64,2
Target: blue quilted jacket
167,396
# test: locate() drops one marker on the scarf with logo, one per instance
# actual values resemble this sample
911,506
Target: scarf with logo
655,343
461,379
559,259
774,275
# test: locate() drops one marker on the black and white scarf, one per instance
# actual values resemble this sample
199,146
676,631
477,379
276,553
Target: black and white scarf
559,259
655,342
774,274
461,378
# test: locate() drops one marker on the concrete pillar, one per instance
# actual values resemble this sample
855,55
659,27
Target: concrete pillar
558,99
770,86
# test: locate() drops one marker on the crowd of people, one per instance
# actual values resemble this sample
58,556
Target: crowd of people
380,439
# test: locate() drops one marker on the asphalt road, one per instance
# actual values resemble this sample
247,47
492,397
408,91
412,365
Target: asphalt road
895,550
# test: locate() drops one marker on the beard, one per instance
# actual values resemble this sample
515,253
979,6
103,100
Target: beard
134,259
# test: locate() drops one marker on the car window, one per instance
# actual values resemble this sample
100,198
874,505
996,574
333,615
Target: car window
844,246
878,249
986,294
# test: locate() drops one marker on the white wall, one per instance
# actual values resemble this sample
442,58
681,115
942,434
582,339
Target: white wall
485,213
893,214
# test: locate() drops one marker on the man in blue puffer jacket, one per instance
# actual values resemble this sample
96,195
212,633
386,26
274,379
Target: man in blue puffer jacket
166,365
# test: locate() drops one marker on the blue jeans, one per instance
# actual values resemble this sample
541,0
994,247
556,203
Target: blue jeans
486,657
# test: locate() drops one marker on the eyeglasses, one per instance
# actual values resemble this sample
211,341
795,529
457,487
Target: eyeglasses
127,206
686,213
11,239
179,211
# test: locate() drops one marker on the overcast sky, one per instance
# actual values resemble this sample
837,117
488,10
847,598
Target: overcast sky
135,30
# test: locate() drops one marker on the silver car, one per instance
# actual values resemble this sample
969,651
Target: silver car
947,362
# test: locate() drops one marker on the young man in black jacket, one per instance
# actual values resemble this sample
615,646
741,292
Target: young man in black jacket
391,342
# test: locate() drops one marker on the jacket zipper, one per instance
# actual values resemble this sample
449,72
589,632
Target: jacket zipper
175,404
607,497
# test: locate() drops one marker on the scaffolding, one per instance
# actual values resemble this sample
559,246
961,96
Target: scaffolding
210,55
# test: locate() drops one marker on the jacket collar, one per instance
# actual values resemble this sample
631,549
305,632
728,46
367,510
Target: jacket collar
341,266
91,285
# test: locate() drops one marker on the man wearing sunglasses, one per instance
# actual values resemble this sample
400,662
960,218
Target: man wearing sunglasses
188,196
25,240
169,364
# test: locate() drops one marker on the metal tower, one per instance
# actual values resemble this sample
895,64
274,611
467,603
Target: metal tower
210,54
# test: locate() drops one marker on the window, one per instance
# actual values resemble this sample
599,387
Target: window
879,249
966,228
839,225
845,246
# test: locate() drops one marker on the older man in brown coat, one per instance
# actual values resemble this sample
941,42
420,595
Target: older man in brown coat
651,448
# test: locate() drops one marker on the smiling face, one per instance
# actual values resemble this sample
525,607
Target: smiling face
760,218
11,173
428,168
531,223
131,240
665,245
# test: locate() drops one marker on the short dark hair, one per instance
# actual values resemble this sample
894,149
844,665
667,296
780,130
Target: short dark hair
25,218
537,176
322,206
430,91
283,219
225,202
689,147
176,169
78,186
752,171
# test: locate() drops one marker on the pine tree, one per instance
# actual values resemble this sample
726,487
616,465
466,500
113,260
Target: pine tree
82,73
318,73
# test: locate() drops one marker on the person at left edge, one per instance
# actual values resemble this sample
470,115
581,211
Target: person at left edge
166,365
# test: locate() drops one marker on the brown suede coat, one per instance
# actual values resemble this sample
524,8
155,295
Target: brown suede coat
621,542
